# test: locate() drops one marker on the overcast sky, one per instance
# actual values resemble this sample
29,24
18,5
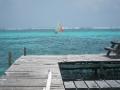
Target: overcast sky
47,13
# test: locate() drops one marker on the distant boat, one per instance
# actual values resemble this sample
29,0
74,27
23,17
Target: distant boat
59,28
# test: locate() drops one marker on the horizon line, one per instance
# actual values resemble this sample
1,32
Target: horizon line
64,28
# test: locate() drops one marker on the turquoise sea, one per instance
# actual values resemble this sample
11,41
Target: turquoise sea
47,42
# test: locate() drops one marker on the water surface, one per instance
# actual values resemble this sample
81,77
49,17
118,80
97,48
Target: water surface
46,42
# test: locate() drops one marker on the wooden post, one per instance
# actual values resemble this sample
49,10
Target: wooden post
96,73
10,58
25,51
102,73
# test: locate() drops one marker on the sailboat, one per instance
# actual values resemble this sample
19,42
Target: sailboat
59,28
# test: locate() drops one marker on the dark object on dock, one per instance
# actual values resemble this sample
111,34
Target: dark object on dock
115,48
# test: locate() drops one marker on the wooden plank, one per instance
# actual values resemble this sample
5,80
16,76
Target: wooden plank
118,81
21,88
109,49
33,69
30,69
69,85
56,88
28,75
27,69
80,85
103,85
115,42
92,85
113,83
22,82
57,83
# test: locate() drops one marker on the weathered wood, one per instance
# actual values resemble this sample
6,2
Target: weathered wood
25,51
115,42
30,75
80,85
113,48
22,82
113,83
110,49
118,81
10,58
21,88
92,85
69,85
30,72
103,85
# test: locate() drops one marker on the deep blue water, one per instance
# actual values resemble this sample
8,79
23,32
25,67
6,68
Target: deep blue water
41,42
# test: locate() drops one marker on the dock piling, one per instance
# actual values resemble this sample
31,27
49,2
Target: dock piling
25,51
10,58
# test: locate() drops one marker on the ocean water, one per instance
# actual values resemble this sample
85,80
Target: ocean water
47,42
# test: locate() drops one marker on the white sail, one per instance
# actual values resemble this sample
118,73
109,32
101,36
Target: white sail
59,28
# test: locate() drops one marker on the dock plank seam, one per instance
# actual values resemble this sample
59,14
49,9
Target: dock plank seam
75,85
86,85
108,83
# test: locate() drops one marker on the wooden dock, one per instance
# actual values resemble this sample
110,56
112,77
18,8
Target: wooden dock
31,73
